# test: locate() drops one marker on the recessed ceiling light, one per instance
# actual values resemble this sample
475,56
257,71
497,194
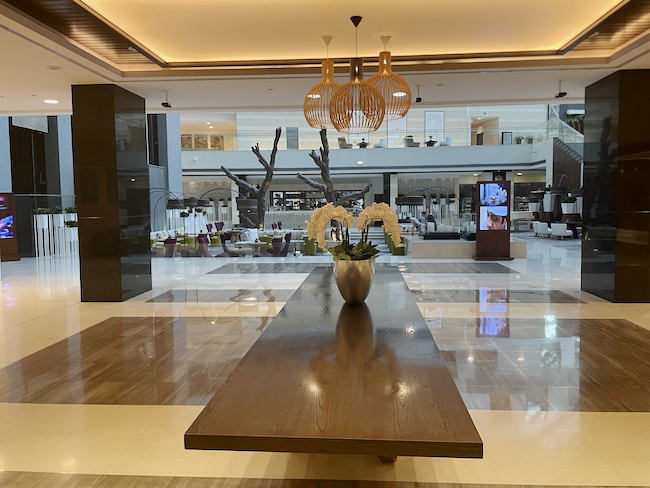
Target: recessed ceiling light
53,67
359,162
52,102
475,174
132,179
208,123
519,174
210,127
480,118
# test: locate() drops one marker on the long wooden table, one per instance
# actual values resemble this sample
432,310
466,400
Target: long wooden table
326,377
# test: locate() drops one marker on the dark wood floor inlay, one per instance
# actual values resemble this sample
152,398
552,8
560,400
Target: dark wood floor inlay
244,296
443,268
494,296
15,479
455,268
497,363
590,365
134,361
267,268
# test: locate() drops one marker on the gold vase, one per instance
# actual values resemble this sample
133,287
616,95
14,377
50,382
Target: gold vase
354,279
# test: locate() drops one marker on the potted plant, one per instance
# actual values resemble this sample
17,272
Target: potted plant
568,205
533,206
519,139
71,230
354,264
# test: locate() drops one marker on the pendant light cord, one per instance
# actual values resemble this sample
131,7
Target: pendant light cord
356,41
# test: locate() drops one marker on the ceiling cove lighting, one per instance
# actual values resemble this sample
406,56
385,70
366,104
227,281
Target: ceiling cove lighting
317,102
394,88
357,107
51,102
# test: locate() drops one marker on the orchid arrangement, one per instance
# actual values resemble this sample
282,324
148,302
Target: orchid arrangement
322,217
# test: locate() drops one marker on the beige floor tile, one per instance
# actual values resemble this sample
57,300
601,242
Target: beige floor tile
520,448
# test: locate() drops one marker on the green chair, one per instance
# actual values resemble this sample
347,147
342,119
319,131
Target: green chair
267,246
215,240
310,247
398,250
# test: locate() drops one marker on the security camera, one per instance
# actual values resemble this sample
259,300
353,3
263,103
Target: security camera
166,103
561,95
418,100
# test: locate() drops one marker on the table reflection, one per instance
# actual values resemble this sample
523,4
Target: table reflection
357,357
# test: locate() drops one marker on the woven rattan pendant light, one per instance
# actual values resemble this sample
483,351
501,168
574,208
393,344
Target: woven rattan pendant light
394,88
317,101
357,107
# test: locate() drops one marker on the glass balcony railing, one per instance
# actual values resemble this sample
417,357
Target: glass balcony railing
309,139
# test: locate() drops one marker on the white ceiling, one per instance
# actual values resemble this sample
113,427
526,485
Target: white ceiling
25,55
25,80
206,30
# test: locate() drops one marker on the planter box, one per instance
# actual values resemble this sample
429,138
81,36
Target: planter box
568,208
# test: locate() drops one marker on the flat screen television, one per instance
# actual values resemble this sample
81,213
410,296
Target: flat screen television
493,194
494,217
7,227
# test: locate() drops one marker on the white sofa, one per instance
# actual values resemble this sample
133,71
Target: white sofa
560,231
541,229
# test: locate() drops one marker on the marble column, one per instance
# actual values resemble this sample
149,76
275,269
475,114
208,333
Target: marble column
616,211
112,187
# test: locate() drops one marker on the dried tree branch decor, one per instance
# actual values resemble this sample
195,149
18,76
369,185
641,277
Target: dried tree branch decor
258,192
322,160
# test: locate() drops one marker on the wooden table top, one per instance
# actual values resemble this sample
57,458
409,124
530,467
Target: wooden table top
326,377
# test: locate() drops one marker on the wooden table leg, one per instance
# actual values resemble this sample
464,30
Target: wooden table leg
388,459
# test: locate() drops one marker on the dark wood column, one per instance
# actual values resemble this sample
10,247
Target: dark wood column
616,209
112,187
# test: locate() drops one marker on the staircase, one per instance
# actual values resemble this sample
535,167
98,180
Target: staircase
570,152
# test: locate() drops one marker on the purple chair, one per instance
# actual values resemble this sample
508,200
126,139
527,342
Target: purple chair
276,246
219,226
203,241
274,226
210,229
287,243
279,225
170,247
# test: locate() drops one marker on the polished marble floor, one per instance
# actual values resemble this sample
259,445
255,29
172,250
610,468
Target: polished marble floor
552,375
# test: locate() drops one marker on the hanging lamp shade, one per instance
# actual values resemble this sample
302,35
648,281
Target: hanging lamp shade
393,88
317,101
357,107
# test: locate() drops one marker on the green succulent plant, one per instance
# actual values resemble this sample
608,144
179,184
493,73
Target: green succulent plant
357,252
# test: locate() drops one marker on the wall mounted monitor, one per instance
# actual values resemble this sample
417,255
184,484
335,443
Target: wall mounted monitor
7,227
